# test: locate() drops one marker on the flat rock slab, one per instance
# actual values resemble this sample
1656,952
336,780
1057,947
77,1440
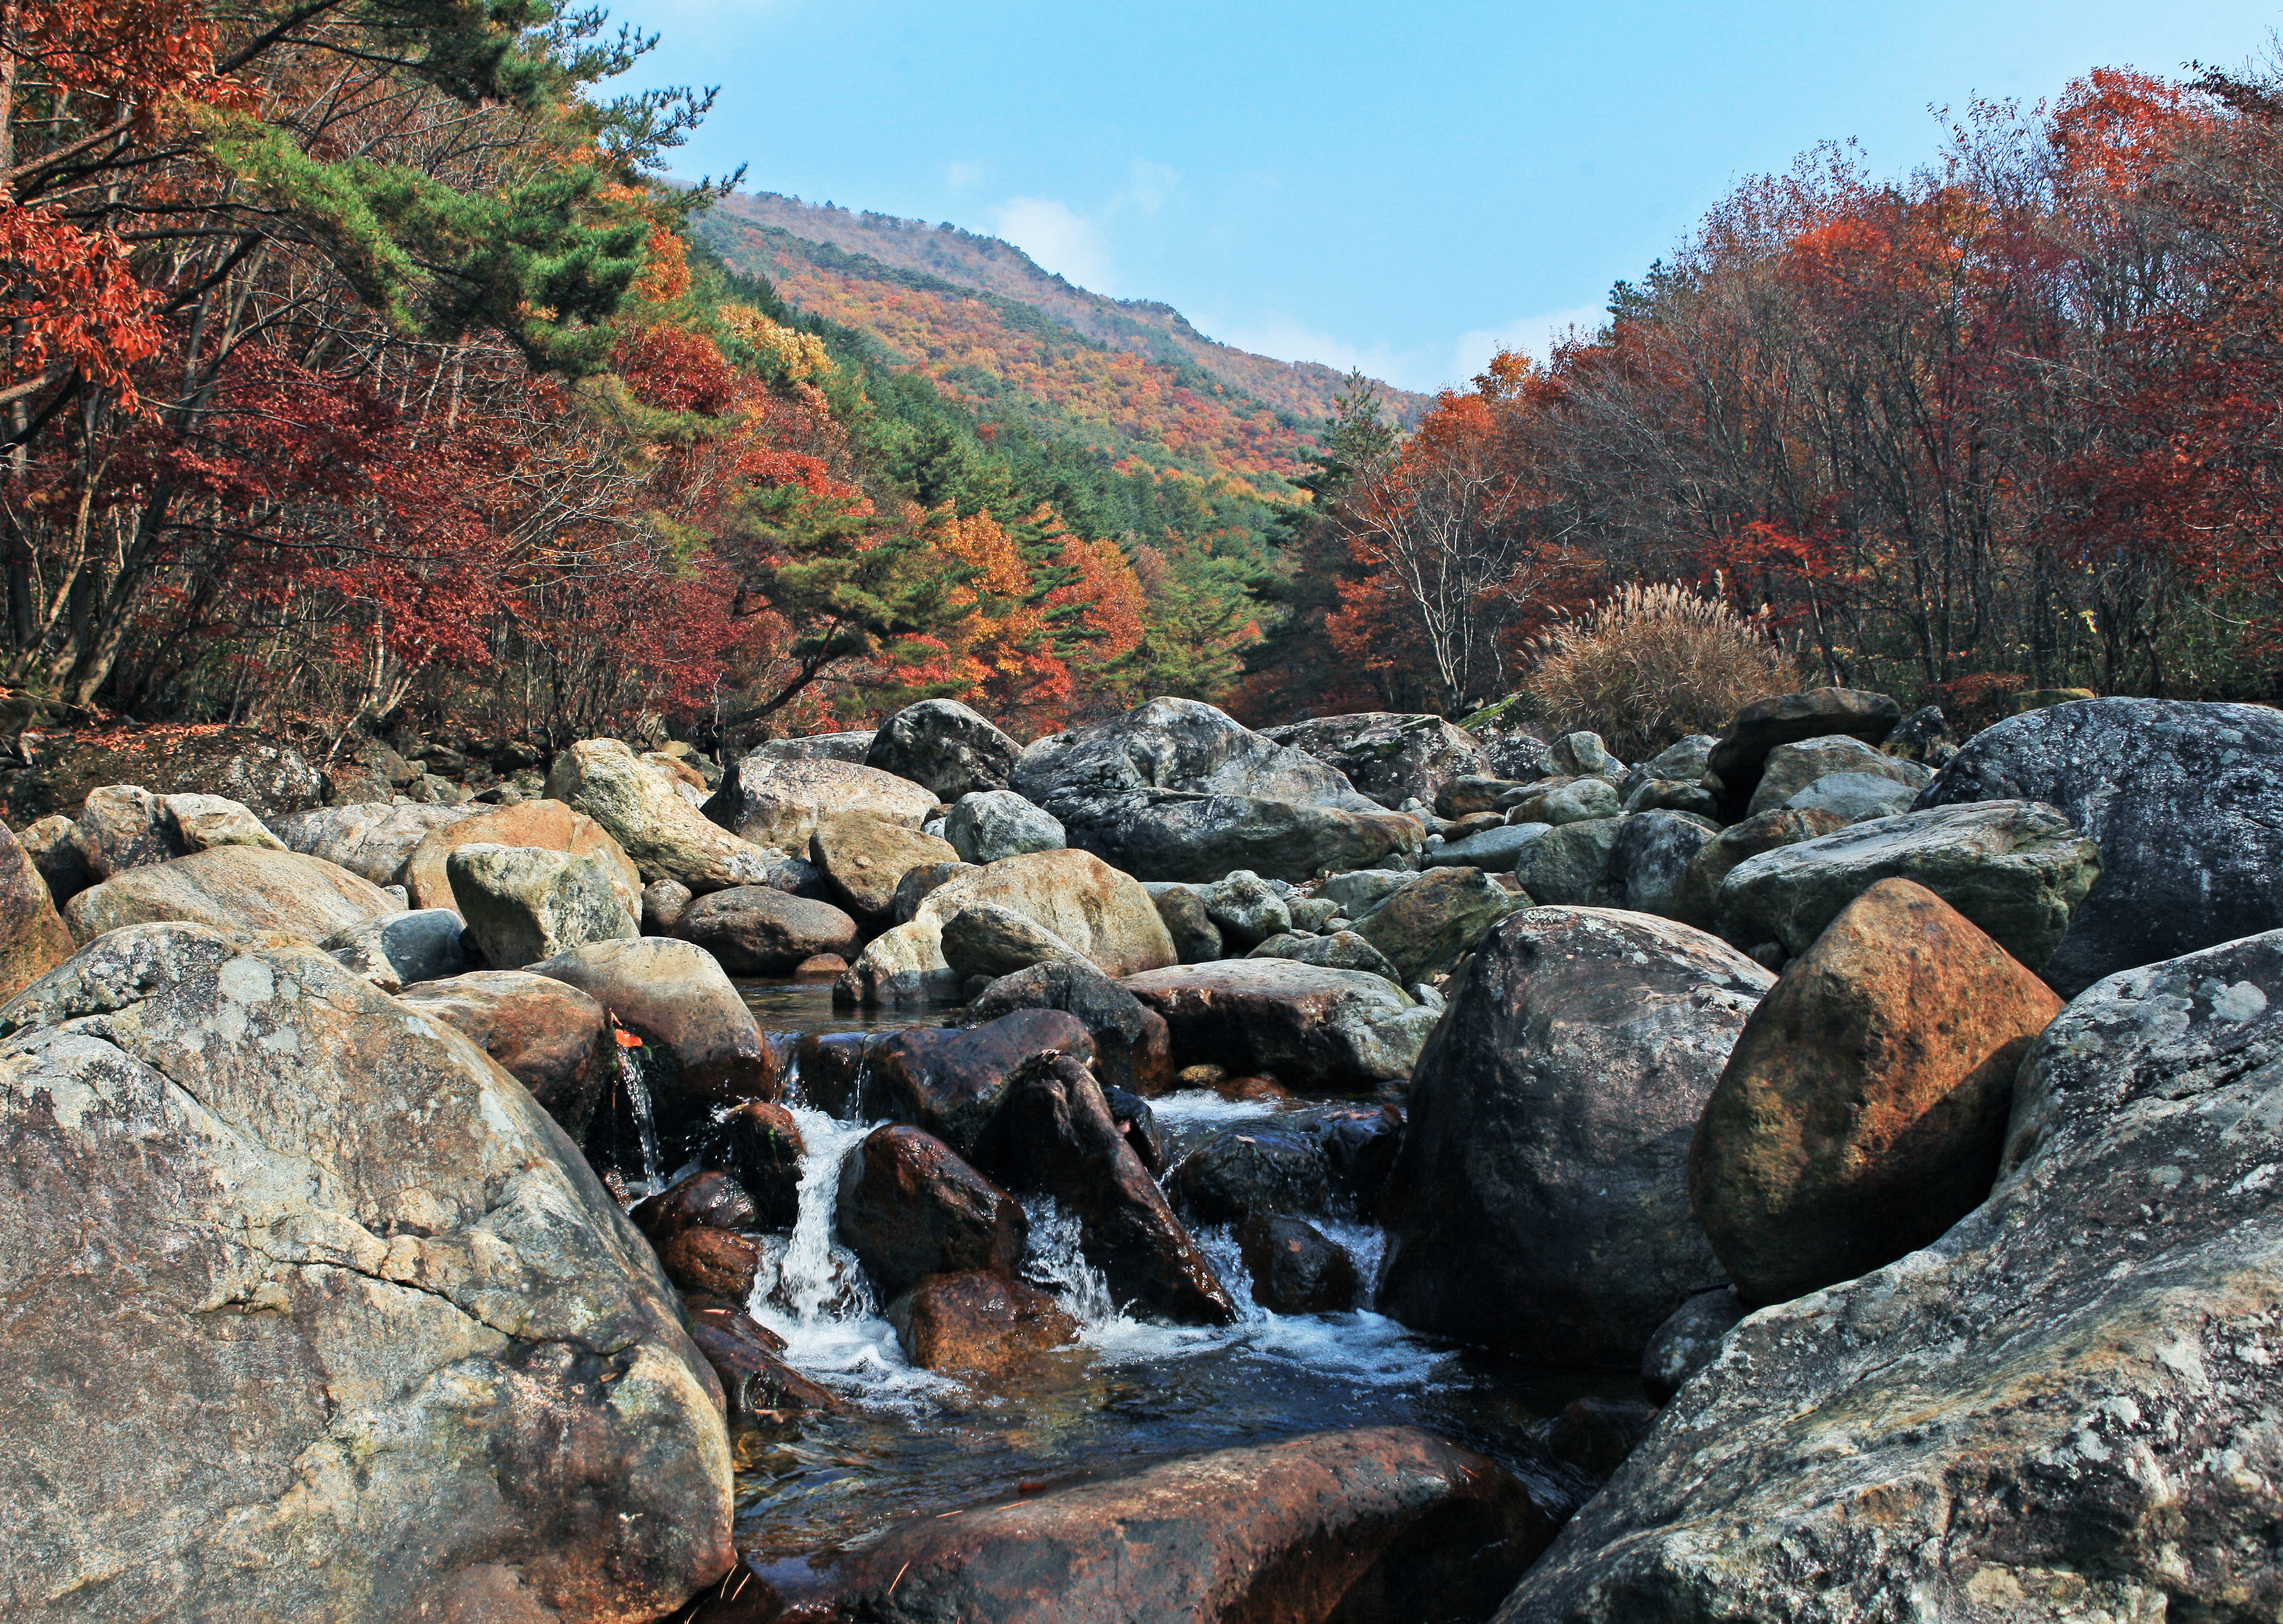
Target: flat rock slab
1311,1026
355,1338
2063,1410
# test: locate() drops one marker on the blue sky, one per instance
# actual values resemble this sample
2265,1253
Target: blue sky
1398,187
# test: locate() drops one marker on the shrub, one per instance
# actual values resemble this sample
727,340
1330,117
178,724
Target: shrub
1652,664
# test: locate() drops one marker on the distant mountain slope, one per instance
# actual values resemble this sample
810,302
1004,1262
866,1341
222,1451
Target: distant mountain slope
1005,359
1142,327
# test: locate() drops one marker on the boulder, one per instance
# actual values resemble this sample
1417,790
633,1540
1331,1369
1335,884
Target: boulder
1343,950
1595,1435
1695,900
2184,801
865,857
1672,794
1570,800
1791,768
1176,790
1387,757
1312,1028
903,968
758,1143
1541,1202
1922,736
990,824
761,930
1469,794
979,1323
983,938
721,1262
909,1207
664,902
394,950
123,827
551,1038
675,997
51,843
848,747
666,837
1358,1145
33,937
1572,866
1295,1267
1650,858
373,841
523,903
1359,892
358,1337
2063,1409
1053,1135
1492,848
1196,938
945,748
760,1386
951,1081
1247,1171
776,801
707,1199
1133,1049
1863,1108
1102,913
1759,727
1424,928
1379,1526
1857,797
241,763
1580,755
918,884
231,888
2018,869
549,825
1245,909
1684,761
202,821
1689,1341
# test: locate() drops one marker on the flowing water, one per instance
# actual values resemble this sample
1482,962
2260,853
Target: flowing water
1130,1391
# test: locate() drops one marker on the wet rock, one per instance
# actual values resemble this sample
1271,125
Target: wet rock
1863,1108
1137,1125
698,1258
1295,1269
902,967
983,938
761,930
1053,1135
1380,1526
1104,914
51,843
1358,1146
2184,801
1577,800
1689,1341
1737,759
1133,1049
1424,928
523,904
706,1200
945,748
33,938
1694,900
1570,867
236,887
675,997
951,1081
378,1281
830,1067
1343,950
1541,1202
2017,869
1235,1174
1491,849
910,1206
1391,759
2063,1409
552,1038
1313,1027
122,826
394,950
1196,938
372,840
659,829
865,856
778,800
758,1143
1856,797
1791,768
1595,1435
991,824
200,822
549,825
759,1385
664,902
1176,790
977,1323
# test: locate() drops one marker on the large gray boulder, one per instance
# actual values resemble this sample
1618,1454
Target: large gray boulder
945,748
1540,1202
639,803
396,951
761,930
1649,857
2184,801
1571,866
848,747
355,1338
1734,763
779,800
2062,1409
1791,768
2017,869
524,903
1389,758
990,824
1309,1026
231,888
1176,790
1423,929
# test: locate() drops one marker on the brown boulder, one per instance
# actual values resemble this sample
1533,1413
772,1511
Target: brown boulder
908,1207
979,1323
707,1199
1295,1268
548,825
33,939
1374,1525
722,1261
1103,912
950,1081
761,930
759,1385
865,856
551,1038
759,1146
1310,1026
1863,1110
231,888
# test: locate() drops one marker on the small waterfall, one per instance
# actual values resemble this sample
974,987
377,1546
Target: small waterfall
634,1064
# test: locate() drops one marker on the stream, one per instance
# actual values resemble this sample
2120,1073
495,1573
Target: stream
1129,1392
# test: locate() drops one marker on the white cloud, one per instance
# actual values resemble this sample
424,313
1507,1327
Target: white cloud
1148,187
962,177
1533,335
1286,339
1058,237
